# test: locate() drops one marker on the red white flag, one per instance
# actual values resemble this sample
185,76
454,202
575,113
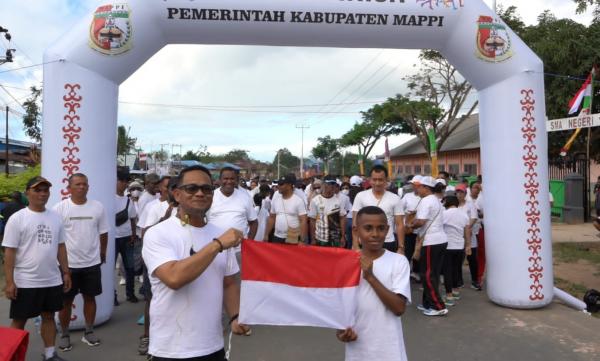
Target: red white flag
286,285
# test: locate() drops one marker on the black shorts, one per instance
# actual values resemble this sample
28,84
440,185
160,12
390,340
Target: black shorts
31,302
87,281
146,284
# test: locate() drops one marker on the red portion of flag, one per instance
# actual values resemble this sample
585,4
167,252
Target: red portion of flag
300,266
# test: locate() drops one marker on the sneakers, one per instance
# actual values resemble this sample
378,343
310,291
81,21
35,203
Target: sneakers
421,308
143,346
122,282
449,301
456,295
476,286
90,339
64,344
432,312
54,357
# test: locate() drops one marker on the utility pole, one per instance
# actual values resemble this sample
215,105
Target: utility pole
278,164
6,151
162,164
302,127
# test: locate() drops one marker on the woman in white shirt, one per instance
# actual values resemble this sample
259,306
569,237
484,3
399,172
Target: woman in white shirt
458,231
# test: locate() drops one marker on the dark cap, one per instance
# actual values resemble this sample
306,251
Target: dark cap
330,180
287,179
36,181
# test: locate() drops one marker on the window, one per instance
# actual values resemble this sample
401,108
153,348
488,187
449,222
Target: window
400,170
408,169
454,169
427,169
417,169
471,169
441,167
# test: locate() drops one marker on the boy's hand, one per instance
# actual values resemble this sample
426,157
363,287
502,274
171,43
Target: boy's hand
347,335
366,264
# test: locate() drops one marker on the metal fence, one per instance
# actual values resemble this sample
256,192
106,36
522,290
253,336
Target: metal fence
559,168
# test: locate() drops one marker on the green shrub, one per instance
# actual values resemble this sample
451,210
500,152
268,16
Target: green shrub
17,182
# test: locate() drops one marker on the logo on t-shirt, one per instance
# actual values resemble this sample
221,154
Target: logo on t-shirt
44,234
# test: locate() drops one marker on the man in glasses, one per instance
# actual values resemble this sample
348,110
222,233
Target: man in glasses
232,207
33,242
192,276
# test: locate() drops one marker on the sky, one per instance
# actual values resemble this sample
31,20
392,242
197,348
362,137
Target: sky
279,88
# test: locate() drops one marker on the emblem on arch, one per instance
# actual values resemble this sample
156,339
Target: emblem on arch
493,40
111,30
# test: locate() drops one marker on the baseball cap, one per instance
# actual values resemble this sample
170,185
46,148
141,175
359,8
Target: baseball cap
287,179
461,188
427,181
135,184
36,181
330,180
355,180
440,180
416,179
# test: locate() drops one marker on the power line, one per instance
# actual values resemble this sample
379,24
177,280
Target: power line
13,98
217,109
31,66
243,106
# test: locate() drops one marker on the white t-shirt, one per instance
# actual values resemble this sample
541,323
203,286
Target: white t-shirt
186,323
390,203
411,202
455,221
299,193
471,211
153,212
431,209
346,204
234,211
327,213
287,212
124,230
144,200
36,236
83,225
379,331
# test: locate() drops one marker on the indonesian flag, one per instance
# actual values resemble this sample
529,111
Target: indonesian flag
286,285
584,95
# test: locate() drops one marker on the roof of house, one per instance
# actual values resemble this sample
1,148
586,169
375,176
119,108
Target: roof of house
466,136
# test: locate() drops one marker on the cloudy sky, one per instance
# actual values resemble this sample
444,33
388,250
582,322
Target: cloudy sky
278,88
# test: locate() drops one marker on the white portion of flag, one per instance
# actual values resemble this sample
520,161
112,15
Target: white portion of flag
267,303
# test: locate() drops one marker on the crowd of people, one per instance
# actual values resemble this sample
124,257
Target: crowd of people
191,228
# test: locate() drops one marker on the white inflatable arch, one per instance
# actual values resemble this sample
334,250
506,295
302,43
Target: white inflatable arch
85,67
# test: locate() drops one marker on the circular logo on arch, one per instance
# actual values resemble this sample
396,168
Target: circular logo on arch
493,40
110,31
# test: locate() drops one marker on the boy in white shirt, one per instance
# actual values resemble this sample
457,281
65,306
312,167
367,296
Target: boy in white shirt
383,293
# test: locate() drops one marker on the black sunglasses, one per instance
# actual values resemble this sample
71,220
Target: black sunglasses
192,189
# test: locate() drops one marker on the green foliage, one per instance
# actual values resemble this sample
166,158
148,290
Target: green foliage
125,144
289,162
32,117
582,6
235,155
347,164
325,150
567,48
17,182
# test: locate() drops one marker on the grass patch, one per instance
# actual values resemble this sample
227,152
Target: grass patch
574,289
573,252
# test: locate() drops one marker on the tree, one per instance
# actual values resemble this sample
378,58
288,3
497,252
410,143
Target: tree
289,163
379,121
444,94
236,155
325,150
568,50
125,144
191,155
582,6
160,155
32,117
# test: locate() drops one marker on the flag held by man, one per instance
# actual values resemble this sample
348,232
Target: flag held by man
287,285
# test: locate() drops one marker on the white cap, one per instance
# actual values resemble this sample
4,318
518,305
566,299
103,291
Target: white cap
427,181
416,179
450,189
355,181
440,180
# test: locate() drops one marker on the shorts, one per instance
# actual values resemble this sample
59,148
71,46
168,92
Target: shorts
87,281
217,356
146,286
31,302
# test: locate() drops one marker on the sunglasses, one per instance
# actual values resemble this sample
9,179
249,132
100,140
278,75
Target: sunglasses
192,189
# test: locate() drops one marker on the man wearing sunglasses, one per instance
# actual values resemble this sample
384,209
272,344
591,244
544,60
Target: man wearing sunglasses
192,277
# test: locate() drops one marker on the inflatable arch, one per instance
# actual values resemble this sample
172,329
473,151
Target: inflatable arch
84,68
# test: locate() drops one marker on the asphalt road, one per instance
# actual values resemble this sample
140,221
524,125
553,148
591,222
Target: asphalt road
475,329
